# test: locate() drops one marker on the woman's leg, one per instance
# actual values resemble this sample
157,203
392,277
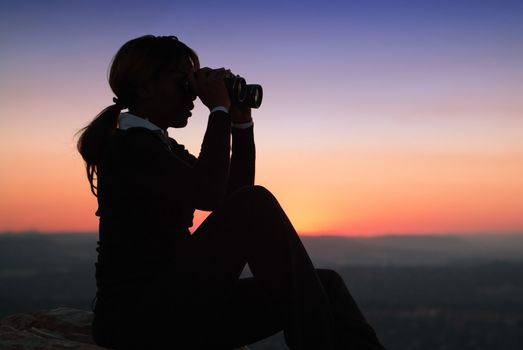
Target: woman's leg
247,317
252,228
352,329
244,317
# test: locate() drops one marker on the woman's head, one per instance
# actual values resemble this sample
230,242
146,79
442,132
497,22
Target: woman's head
144,66
148,75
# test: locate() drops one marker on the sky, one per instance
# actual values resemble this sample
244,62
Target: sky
379,116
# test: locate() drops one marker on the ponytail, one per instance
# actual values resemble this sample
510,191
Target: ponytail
94,137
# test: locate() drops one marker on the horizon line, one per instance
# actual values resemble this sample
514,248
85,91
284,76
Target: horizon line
302,234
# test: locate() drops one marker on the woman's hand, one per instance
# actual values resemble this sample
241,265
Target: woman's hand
209,86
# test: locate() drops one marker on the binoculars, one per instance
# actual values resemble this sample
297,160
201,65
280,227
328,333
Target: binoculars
242,93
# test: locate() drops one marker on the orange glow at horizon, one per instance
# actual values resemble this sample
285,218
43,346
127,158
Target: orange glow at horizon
333,192
373,194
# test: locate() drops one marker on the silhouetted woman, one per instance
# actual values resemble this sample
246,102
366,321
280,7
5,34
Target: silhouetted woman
160,287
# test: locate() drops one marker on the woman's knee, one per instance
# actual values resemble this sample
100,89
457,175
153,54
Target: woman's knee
256,190
253,194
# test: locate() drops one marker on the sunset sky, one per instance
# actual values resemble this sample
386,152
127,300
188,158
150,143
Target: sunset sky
379,116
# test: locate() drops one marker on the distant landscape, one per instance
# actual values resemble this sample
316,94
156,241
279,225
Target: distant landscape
419,292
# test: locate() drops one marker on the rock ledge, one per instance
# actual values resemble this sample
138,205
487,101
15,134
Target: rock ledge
60,328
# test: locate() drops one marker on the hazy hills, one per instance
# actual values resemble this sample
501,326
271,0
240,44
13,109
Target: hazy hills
414,250
419,292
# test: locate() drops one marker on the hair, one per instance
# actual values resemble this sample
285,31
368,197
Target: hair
138,61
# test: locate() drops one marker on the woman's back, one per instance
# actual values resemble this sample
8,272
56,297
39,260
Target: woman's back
139,234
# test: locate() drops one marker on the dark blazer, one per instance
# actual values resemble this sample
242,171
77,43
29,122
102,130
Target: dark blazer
148,189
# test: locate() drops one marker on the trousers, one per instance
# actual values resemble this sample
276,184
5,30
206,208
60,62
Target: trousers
313,307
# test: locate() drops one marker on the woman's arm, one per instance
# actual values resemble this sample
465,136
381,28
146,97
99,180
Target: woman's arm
243,159
178,176
211,170
243,149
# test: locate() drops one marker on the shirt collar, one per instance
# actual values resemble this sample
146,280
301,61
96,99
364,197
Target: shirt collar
128,120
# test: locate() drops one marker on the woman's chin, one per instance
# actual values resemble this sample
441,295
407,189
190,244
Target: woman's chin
179,119
180,123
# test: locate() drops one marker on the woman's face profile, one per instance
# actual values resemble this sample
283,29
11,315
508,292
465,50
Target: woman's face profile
171,97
